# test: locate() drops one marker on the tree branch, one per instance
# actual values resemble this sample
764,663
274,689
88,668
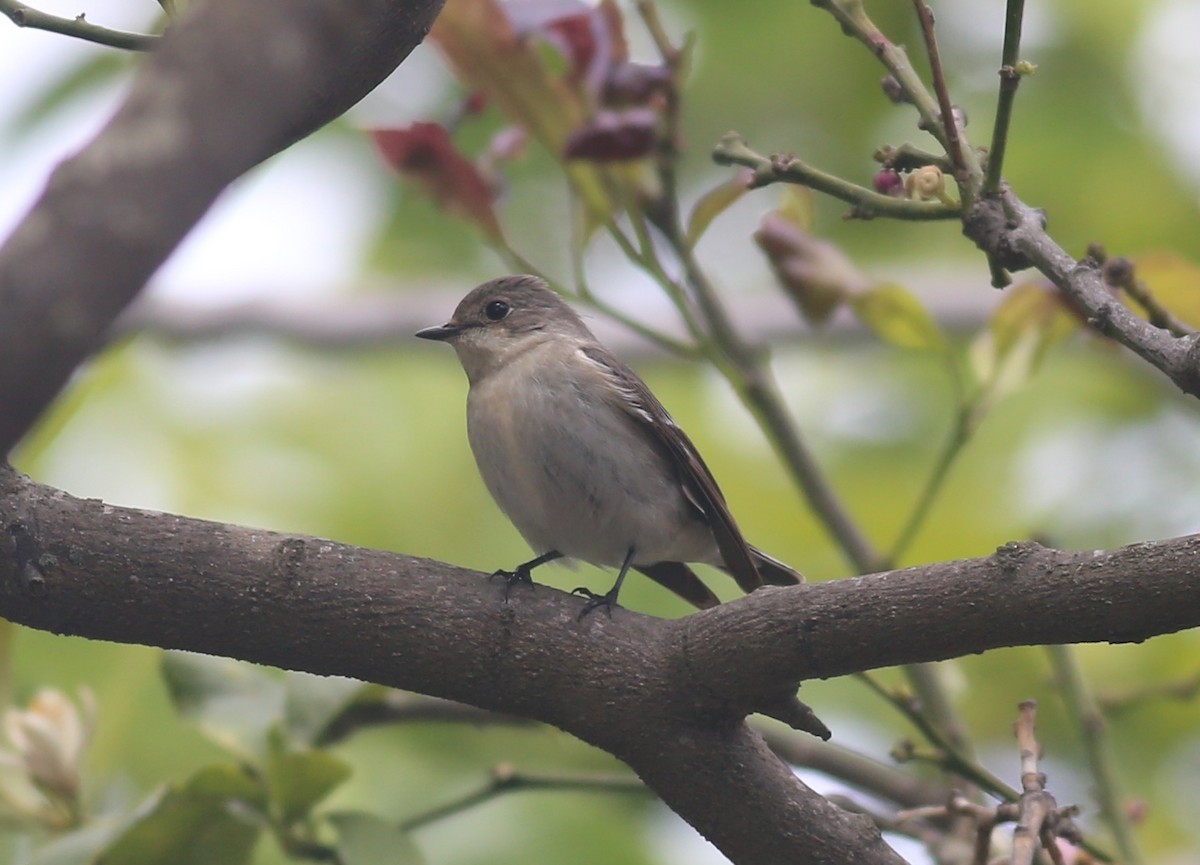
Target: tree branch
732,149
667,697
229,85
1013,234
81,567
1010,79
885,781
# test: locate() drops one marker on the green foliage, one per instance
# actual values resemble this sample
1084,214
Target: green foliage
1030,321
234,704
298,780
711,205
367,840
209,820
268,722
77,84
369,448
897,317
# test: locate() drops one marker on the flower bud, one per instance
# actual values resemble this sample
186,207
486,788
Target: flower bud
926,184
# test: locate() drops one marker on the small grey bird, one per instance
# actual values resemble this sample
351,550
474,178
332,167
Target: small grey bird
581,456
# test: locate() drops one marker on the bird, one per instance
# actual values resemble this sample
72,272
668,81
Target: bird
581,456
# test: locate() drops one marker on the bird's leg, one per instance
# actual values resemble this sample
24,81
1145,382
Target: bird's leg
609,599
521,573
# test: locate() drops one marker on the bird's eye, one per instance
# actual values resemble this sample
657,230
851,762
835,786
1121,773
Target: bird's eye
497,310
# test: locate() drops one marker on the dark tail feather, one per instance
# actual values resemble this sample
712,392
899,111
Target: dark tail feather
773,571
680,579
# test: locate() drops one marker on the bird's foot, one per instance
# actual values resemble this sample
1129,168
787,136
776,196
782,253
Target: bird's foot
608,600
511,578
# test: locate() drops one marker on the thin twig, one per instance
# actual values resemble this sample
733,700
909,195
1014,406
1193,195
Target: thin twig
954,146
951,758
664,341
674,58
751,377
1184,689
855,22
1090,722
1010,78
400,707
906,157
959,436
884,781
867,203
1120,272
745,368
1040,819
26,16
1026,244
505,779
937,708
1036,805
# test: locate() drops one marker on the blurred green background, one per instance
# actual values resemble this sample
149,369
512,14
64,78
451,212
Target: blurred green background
369,447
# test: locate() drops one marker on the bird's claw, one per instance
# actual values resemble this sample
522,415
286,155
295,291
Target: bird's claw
607,600
511,578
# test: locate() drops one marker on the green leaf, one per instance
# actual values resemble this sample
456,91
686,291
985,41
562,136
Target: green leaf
1173,280
364,839
713,203
298,780
898,317
77,84
311,702
81,847
1030,320
213,819
1025,307
797,207
233,703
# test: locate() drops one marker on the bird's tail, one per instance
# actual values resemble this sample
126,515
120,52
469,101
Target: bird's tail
773,571
681,580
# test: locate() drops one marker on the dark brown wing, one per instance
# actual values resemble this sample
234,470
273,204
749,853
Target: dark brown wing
681,580
697,481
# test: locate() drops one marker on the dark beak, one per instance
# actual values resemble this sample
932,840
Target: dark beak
441,332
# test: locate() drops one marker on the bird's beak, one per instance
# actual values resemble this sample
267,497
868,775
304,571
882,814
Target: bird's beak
441,332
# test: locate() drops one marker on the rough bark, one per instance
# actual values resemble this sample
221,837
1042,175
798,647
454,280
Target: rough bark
668,697
235,82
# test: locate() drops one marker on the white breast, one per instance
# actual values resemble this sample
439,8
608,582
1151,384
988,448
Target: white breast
573,473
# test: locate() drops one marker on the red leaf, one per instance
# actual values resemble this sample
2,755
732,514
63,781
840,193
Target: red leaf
815,273
615,136
475,103
425,154
634,83
590,38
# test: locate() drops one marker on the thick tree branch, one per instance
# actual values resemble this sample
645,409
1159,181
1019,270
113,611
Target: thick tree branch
230,84
666,697
82,567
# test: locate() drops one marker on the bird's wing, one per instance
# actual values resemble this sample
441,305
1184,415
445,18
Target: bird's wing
699,486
